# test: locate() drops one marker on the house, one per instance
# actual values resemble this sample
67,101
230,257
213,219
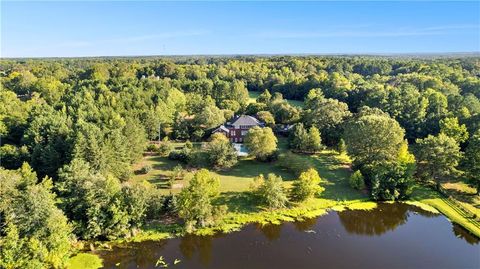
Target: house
237,129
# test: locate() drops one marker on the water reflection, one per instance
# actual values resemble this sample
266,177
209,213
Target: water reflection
270,231
386,217
428,241
305,225
192,244
460,232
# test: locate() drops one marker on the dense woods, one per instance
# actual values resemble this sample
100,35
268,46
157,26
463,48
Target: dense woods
72,128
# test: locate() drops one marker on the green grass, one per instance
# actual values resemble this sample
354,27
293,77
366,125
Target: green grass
451,210
242,209
234,185
85,261
253,96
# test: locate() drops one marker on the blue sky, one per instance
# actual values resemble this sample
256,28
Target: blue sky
45,29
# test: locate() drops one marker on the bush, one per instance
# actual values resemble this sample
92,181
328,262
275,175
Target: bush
156,203
357,181
146,169
152,148
294,163
165,148
307,185
176,174
270,191
180,155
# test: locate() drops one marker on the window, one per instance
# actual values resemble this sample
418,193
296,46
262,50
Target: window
232,132
244,133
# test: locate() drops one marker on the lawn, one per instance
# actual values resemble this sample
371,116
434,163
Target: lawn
253,96
332,167
235,182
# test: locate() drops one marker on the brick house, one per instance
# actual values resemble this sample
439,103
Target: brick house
237,129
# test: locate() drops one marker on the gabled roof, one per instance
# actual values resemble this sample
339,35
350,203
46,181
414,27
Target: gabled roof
221,128
245,120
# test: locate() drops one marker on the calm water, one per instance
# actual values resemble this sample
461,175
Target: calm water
391,236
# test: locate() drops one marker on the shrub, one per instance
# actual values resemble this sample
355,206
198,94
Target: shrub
165,148
357,181
152,148
307,185
176,174
294,163
180,155
270,190
146,169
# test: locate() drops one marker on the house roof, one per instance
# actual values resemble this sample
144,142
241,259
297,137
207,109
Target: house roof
245,120
221,128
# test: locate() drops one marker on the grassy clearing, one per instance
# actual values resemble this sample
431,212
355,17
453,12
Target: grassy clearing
242,209
253,96
85,261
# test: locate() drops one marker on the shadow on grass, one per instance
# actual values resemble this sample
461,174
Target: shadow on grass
252,168
162,163
420,192
238,202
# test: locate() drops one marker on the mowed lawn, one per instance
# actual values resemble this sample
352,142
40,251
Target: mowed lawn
253,96
332,167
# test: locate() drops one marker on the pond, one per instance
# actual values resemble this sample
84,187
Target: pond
391,236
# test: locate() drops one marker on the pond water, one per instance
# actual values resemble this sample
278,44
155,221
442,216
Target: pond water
391,236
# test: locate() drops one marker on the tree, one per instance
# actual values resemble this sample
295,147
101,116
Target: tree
264,97
307,185
327,115
48,138
451,128
93,202
341,146
34,232
390,181
284,112
373,138
472,160
303,141
209,117
357,181
261,142
266,117
270,191
314,140
221,153
195,201
298,138
437,157
176,174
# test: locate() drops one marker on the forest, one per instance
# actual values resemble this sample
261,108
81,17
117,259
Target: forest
72,130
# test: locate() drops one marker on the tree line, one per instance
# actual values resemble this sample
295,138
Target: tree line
71,129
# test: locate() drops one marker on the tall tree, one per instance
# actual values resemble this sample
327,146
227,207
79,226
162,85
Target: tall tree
451,127
437,157
221,153
195,201
261,142
472,160
373,138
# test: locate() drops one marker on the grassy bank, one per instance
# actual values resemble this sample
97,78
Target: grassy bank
447,207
